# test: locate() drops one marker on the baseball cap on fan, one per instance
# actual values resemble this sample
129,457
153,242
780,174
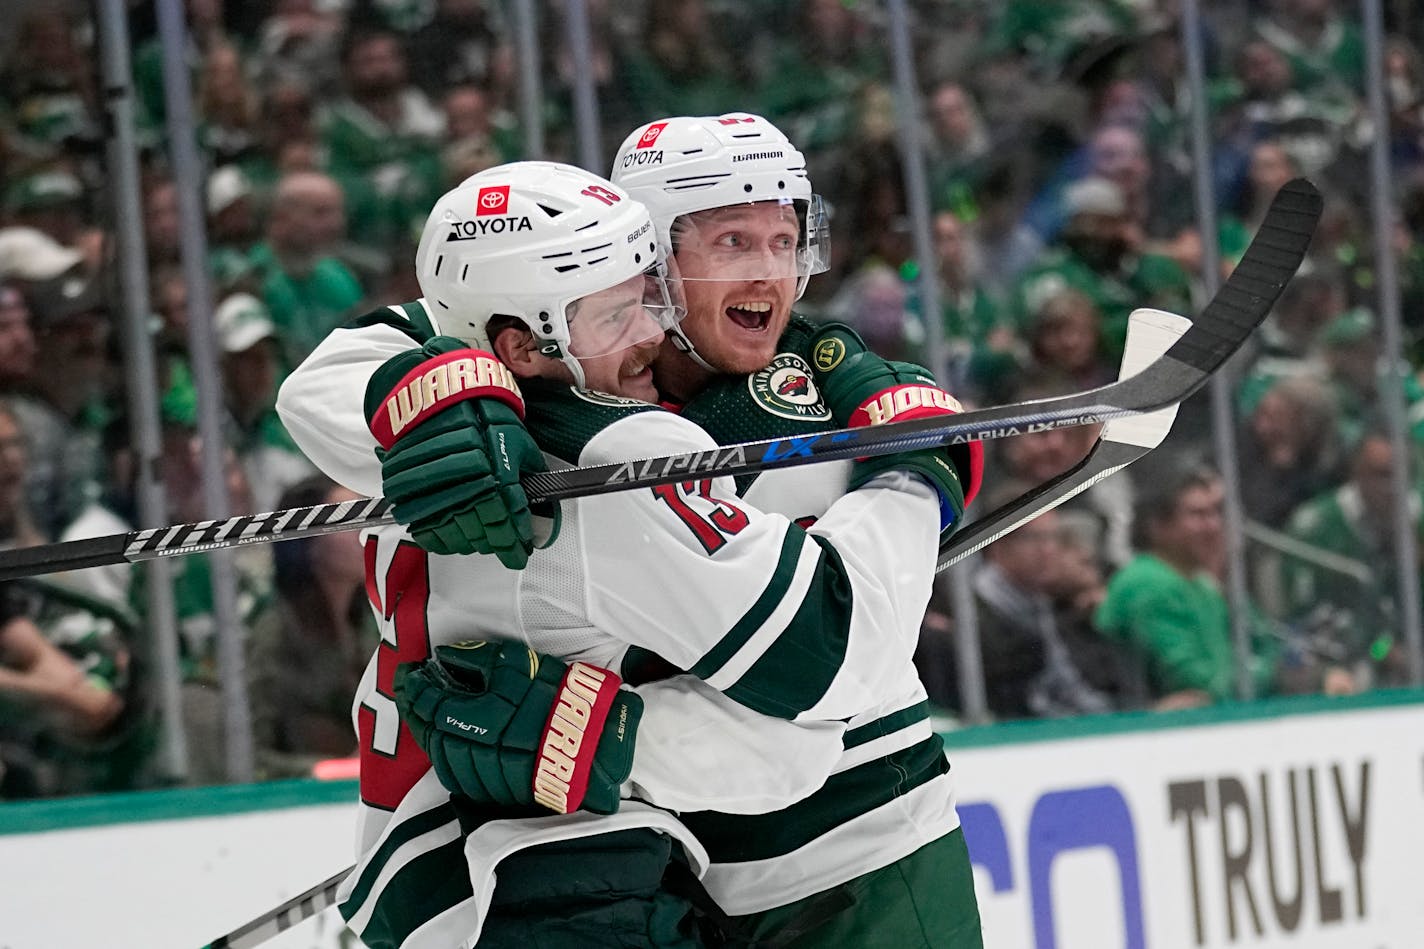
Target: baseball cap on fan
1095,195
30,254
45,189
225,187
242,321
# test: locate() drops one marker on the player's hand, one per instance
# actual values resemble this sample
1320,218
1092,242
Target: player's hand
505,725
861,388
453,447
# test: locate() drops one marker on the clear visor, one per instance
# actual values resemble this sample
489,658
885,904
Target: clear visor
780,239
635,311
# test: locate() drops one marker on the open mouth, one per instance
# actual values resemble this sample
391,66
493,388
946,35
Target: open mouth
754,315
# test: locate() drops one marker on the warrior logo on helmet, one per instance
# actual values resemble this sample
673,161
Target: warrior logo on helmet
785,388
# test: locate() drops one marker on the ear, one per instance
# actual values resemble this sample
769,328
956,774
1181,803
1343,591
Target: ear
516,348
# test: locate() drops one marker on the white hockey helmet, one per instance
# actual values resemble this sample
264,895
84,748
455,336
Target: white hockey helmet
530,240
677,166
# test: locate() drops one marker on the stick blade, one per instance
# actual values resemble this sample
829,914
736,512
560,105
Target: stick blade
1251,291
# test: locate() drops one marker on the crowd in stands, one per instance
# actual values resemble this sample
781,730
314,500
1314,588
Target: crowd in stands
1059,159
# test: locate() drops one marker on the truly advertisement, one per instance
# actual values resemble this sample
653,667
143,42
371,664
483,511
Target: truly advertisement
1300,831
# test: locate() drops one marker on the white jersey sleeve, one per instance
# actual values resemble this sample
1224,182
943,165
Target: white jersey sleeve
798,625
698,750
321,402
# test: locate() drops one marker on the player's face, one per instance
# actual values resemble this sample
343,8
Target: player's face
614,334
737,271
627,373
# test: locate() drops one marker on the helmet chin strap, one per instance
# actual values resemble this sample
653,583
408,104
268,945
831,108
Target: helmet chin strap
576,369
684,345
552,349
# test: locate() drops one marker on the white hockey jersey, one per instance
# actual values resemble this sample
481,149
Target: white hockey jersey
803,708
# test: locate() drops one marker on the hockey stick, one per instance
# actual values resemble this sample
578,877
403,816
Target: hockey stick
281,918
1149,334
1238,308
1123,441
1290,222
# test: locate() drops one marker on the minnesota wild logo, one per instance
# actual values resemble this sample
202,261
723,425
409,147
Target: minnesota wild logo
785,388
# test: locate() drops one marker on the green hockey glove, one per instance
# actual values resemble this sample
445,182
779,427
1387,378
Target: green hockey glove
861,388
508,726
453,447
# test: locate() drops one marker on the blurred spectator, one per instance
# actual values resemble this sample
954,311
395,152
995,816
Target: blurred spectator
1323,47
872,226
49,102
1167,605
201,696
808,86
49,201
1290,448
958,151
204,20
162,232
308,291
250,376
1163,93
17,339
474,141
17,525
63,413
461,46
233,226
382,137
1077,584
681,63
1349,614
1103,512
874,302
1008,246
1404,91
1054,35
1158,198
1065,340
1028,670
1269,168
228,108
978,337
46,699
65,673
298,42
1099,255
1354,363
310,646
1289,341
1262,102
290,138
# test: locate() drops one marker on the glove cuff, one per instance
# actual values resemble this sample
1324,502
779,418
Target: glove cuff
899,403
440,382
581,706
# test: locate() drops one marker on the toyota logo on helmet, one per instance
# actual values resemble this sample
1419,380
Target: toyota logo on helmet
493,200
650,135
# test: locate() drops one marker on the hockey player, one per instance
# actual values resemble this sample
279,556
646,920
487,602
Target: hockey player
875,857
806,645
